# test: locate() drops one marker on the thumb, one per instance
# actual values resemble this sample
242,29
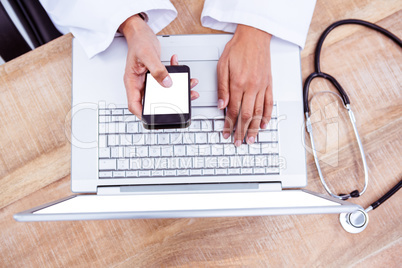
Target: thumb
159,72
223,84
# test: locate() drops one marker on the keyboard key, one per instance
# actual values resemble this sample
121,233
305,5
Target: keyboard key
173,163
132,173
176,138
163,138
217,149
188,138
148,163
138,139
155,151
112,140
107,164
102,141
209,171
135,163
132,127
195,125
157,173
213,137
206,125
104,152
169,172
117,112
117,152
223,162
151,139
272,170
269,148
198,162
161,163
261,161
104,112
248,161
191,150
201,138
123,164
223,171
211,162
116,118
144,173
254,148
167,150
119,174
242,149
126,139
183,172
185,162
223,140
142,151
179,150
195,172
105,174
102,128
235,161
121,127
246,171
229,149
259,170
204,150
267,136
104,119
234,171
218,125
129,152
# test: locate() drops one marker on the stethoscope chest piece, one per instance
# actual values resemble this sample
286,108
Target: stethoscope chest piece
354,222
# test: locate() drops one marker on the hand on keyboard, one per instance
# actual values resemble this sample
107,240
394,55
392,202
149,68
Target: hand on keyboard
245,84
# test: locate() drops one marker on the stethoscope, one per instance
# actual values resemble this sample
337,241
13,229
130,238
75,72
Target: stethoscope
352,222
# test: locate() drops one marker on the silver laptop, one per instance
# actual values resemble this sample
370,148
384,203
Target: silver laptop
127,171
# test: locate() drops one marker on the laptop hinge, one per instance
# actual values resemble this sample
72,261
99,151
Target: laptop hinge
190,188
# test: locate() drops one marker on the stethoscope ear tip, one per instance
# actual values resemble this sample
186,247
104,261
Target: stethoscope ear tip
354,222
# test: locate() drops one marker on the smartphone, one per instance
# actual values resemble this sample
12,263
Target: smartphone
167,107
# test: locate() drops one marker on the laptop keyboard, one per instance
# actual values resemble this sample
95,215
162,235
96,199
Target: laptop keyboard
128,150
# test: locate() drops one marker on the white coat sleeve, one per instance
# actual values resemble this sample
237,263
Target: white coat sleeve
286,19
95,22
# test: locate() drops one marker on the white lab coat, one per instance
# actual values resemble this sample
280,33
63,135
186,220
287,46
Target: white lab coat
95,22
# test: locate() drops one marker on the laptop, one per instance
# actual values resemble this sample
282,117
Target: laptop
120,170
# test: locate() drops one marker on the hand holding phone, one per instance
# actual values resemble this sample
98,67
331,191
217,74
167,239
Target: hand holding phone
168,107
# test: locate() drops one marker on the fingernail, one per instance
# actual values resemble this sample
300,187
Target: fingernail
167,82
194,82
250,140
264,126
226,135
238,143
220,104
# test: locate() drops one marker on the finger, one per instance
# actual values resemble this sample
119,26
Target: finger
134,87
268,105
194,95
193,82
158,70
223,83
174,60
254,126
244,120
232,113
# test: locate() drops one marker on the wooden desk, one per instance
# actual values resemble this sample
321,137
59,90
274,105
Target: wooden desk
35,99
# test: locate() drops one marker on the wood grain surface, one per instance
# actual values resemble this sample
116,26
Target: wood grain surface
35,100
